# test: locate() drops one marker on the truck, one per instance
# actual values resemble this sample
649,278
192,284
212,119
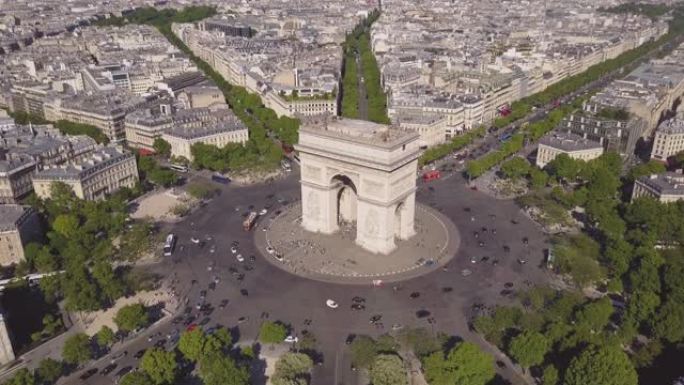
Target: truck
249,221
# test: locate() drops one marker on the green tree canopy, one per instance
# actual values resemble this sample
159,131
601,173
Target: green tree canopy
105,336
601,366
195,344
272,332
363,351
388,369
77,349
515,168
292,368
50,370
217,369
528,348
465,364
131,317
160,366
595,315
162,147
136,378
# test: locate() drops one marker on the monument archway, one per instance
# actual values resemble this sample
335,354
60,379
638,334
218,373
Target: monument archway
358,171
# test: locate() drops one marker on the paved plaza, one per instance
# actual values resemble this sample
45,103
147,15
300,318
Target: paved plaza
337,258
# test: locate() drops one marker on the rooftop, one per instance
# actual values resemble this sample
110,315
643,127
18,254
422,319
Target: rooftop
569,142
669,183
100,159
359,131
10,215
196,132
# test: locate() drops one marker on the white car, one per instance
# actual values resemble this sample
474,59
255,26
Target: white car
278,257
240,258
291,339
194,240
466,272
263,212
233,249
331,304
270,250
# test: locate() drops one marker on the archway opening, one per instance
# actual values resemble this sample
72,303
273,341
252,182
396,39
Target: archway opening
346,200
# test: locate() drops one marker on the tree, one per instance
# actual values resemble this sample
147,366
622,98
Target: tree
550,375
217,369
66,225
652,167
77,349
131,317
528,348
23,377
595,315
105,336
272,332
136,378
388,369
515,168
465,364
292,367
194,344
50,370
111,286
80,292
606,365
160,366
363,351
162,147
421,341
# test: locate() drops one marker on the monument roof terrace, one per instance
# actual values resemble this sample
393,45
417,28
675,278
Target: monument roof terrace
360,131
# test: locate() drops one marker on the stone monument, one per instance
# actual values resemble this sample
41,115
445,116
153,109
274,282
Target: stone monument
362,173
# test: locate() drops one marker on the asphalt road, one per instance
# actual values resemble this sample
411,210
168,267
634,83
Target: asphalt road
293,299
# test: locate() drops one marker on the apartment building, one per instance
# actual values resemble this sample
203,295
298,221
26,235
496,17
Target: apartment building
430,126
15,177
142,127
103,173
575,146
669,138
666,187
220,134
19,225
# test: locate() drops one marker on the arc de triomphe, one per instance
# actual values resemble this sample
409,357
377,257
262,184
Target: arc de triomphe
358,171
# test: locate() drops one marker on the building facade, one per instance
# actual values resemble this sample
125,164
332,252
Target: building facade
575,146
669,139
15,178
667,187
182,138
19,225
103,173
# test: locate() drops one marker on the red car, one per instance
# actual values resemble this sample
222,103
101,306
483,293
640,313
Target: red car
191,327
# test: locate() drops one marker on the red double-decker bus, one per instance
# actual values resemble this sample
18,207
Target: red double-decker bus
431,175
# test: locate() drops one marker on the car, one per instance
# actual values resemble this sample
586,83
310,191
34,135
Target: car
447,289
108,369
522,261
476,234
199,305
139,353
500,364
495,262
494,231
205,321
194,240
263,212
240,258
396,327
473,260
466,272
484,229
350,339
252,258
481,243
270,250
358,299
375,319
177,320
508,285
119,356
414,295
88,373
291,339
525,241
210,267
358,306
484,259
422,314
223,304
160,343
506,292
244,292
203,294
331,304
123,371
242,320
235,243
212,249
188,320
279,258
506,249
233,249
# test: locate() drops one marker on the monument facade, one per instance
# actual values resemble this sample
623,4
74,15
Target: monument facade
359,173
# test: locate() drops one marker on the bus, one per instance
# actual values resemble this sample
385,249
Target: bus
169,245
179,167
249,221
